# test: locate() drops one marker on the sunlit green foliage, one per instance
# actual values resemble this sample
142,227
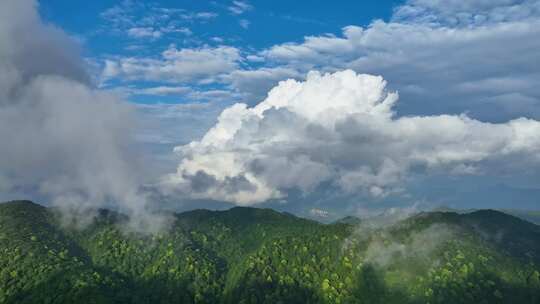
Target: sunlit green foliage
248,255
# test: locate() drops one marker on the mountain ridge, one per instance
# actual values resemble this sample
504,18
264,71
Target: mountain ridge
251,255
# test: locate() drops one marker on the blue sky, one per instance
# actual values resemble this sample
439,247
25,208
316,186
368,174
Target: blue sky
339,106
117,30
270,22
247,26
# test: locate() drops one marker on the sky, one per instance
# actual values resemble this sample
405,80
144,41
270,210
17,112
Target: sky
321,108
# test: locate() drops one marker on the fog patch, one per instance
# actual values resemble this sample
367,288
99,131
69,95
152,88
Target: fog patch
69,142
419,245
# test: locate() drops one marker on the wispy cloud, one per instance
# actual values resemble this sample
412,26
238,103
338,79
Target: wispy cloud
162,91
205,15
187,93
244,23
144,32
148,20
204,64
239,7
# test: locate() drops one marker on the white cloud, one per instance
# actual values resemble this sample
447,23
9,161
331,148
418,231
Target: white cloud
176,65
424,55
206,15
189,94
217,39
255,58
448,51
428,57
138,19
144,32
240,7
338,128
312,49
466,13
162,91
172,29
244,23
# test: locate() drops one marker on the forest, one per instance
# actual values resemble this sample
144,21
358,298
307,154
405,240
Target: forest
251,255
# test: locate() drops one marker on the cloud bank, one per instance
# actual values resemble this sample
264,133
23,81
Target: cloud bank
340,129
444,57
177,65
61,139
439,66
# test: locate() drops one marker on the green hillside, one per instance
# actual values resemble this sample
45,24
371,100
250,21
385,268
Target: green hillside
248,255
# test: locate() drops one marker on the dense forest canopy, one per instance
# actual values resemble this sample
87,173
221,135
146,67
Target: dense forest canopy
248,255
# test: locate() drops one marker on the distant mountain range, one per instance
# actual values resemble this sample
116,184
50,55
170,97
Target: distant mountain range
250,255
528,215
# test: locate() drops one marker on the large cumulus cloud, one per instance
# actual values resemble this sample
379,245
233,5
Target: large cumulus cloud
62,141
442,56
340,129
